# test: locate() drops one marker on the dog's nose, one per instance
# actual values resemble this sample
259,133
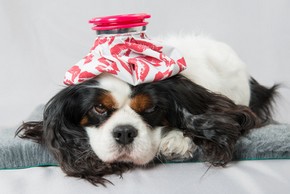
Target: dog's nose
125,134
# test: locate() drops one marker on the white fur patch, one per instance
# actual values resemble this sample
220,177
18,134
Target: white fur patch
214,65
175,146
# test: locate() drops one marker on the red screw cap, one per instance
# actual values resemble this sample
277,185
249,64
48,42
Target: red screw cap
119,21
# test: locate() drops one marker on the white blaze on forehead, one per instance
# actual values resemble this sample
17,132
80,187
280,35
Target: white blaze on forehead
119,89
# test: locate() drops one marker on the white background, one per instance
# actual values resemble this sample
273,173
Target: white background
40,40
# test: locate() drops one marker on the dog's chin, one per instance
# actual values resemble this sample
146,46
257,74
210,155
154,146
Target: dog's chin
128,159
127,156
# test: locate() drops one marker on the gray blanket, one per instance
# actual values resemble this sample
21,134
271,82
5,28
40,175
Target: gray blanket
269,142
19,153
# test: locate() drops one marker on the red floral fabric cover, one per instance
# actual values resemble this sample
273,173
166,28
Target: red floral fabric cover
133,58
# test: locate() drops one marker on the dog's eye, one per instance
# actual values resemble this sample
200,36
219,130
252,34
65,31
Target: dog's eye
100,109
150,110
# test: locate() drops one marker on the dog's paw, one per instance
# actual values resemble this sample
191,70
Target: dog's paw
174,146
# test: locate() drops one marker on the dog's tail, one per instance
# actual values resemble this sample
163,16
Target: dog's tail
262,100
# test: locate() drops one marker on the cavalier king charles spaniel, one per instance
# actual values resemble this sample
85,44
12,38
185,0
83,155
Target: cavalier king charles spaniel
106,126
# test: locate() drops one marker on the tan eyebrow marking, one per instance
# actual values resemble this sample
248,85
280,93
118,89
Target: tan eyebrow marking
84,121
108,101
141,102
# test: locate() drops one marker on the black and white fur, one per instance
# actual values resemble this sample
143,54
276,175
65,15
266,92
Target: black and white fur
105,126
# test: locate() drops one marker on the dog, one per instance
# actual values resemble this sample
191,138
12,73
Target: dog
106,126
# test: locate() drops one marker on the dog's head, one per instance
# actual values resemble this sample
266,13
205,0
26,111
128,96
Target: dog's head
96,127
123,123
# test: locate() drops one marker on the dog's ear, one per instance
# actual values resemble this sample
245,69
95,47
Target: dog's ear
61,118
213,121
61,132
31,130
67,139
